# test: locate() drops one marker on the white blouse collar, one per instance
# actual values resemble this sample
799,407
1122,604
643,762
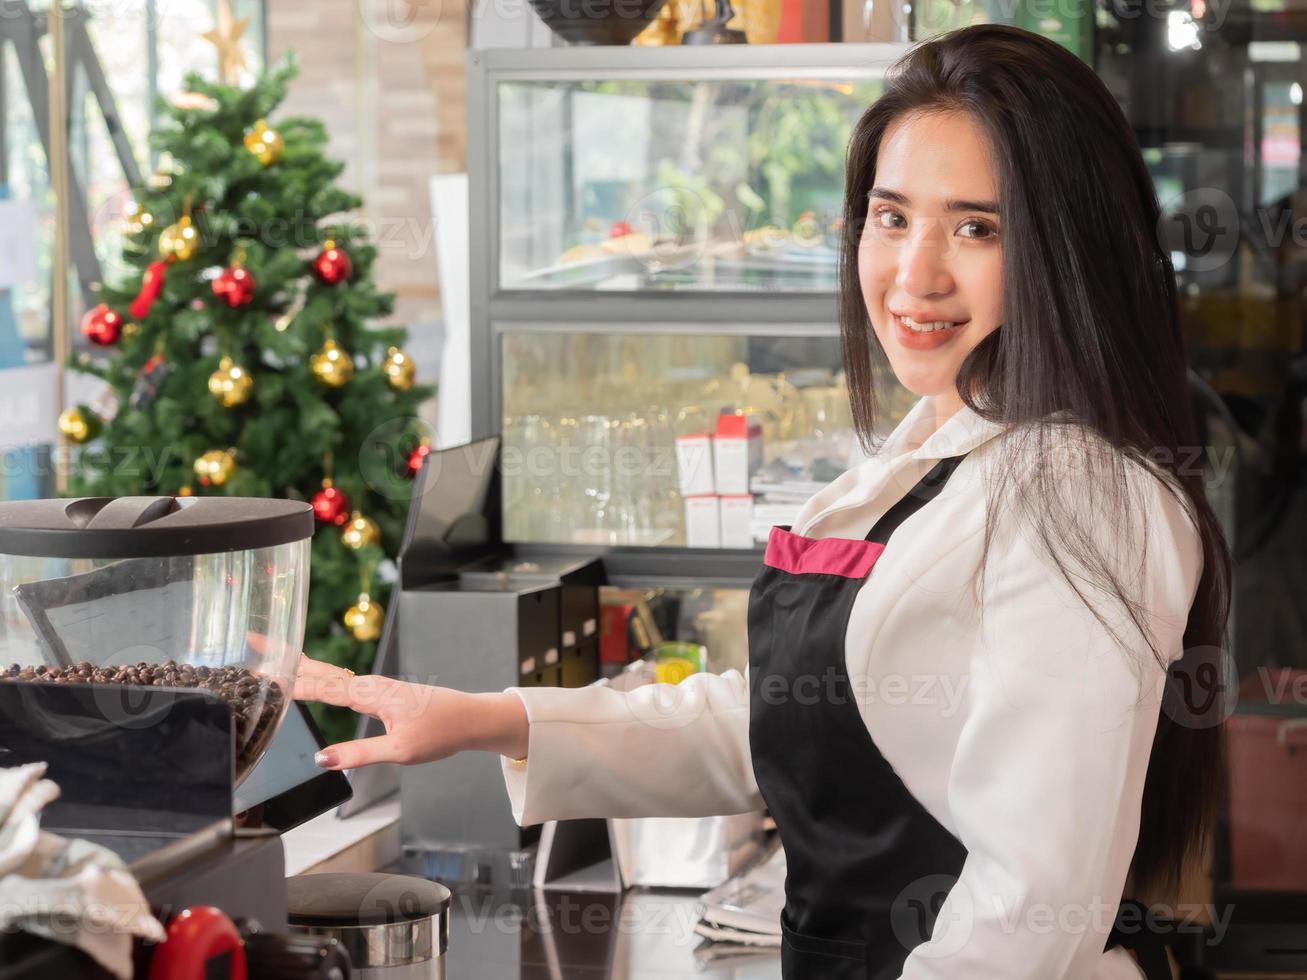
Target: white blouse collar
963,431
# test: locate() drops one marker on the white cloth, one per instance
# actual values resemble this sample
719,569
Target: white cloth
1027,736
70,891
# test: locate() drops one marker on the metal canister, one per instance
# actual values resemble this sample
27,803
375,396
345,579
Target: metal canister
394,927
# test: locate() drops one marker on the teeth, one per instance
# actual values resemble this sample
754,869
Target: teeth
928,327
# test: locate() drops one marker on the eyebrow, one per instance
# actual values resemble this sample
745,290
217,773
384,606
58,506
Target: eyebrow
988,207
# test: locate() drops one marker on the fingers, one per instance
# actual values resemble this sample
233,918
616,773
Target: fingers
308,667
335,686
370,694
265,645
360,752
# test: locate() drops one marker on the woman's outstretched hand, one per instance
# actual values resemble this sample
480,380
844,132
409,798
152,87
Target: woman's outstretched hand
423,723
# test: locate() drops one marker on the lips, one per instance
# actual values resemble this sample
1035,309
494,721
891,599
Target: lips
925,340
927,316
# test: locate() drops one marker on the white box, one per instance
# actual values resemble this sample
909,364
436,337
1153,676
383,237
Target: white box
694,465
702,522
737,453
737,522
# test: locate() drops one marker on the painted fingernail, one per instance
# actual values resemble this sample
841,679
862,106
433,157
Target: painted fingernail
326,759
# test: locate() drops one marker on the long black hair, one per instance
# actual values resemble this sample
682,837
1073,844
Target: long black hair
1091,334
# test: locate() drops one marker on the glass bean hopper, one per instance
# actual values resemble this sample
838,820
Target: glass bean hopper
173,592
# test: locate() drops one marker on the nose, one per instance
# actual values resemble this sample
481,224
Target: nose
924,263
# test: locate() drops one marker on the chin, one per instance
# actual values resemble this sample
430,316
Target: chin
921,383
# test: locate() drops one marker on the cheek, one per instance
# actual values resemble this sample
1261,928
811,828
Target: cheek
875,270
874,281
982,279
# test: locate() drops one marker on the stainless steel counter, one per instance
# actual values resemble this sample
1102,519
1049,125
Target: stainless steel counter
641,935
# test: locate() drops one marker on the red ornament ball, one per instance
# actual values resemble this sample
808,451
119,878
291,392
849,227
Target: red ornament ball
102,325
234,286
416,457
332,265
330,506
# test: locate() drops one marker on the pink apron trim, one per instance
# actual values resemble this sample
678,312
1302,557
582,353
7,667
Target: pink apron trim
798,555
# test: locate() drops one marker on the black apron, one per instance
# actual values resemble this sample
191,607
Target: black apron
868,867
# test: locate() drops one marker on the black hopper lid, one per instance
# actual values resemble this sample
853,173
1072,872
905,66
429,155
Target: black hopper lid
149,527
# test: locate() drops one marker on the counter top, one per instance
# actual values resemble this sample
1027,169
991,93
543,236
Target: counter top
500,934
642,934
553,935
363,842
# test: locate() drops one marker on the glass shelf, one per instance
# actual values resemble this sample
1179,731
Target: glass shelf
605,434
671,184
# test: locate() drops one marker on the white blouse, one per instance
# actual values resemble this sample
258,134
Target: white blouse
1027,735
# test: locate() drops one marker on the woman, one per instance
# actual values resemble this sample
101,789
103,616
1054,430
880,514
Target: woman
957,706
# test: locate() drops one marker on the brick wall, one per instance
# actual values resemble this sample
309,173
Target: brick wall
387,78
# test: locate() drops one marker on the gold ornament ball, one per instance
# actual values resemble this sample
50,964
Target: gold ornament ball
231,384
186,491
180,241
265,143
364,618
332,365
78,424
400,369
360,532
138,219
215,467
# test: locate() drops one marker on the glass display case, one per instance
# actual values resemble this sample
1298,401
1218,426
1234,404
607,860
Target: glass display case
637,184
1069,24
654,239
602,431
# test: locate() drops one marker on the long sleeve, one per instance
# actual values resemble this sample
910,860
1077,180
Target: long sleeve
660,750
1046,783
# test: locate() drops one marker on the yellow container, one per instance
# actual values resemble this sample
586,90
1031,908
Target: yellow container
674,660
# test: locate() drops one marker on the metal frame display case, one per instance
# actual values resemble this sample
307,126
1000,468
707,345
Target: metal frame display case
569,248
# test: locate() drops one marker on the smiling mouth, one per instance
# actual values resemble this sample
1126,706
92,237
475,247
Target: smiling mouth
928,326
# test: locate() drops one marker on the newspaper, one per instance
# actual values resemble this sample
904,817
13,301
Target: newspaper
746,909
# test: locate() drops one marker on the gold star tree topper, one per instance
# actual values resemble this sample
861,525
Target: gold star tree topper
226,37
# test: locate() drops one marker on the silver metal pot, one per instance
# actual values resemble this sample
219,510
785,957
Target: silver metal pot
394,927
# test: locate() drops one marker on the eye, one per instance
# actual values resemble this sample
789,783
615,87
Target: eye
975,228
888,218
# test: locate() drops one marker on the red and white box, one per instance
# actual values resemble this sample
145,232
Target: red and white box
702,522
694,465
736,521
737,453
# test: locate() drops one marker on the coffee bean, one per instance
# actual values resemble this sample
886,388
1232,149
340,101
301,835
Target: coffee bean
255,702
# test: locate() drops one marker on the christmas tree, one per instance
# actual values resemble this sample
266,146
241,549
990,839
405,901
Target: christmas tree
241,355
